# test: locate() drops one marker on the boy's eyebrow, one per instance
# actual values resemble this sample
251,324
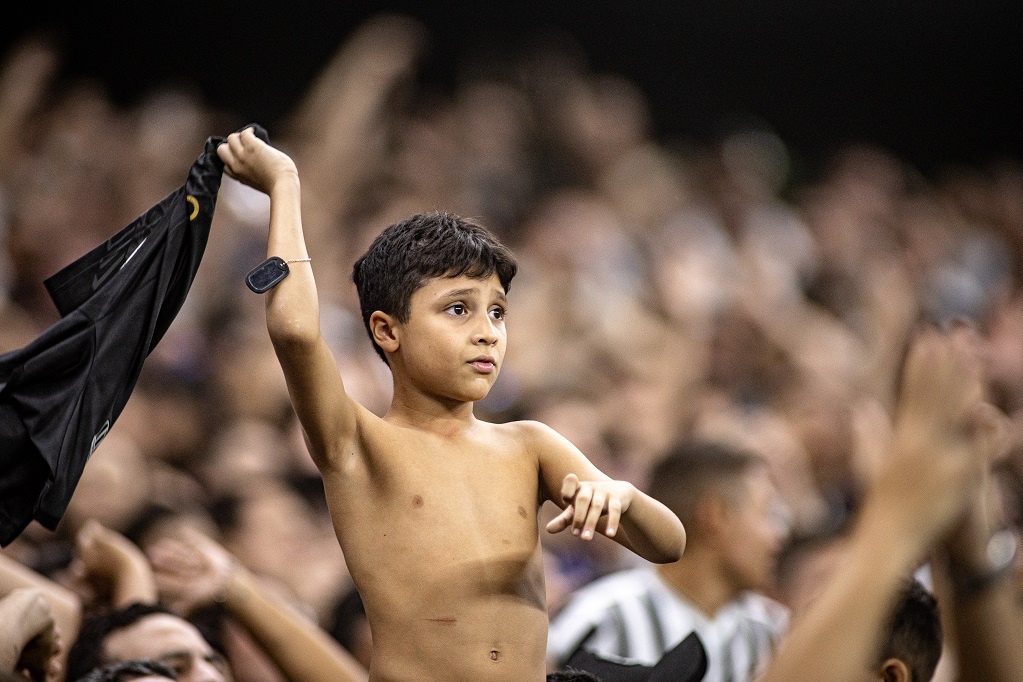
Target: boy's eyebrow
471,290
461,292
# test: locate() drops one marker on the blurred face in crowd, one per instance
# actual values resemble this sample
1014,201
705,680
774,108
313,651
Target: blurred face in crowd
752,531
172,641
808,573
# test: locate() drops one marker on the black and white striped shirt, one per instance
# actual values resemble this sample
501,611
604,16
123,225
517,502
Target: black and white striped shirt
634,616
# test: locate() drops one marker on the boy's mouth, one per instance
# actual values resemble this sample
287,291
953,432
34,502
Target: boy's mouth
484,364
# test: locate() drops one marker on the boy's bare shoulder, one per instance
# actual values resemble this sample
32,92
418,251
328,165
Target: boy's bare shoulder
528,431
540,439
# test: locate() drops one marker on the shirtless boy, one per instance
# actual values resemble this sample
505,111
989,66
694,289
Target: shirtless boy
436,511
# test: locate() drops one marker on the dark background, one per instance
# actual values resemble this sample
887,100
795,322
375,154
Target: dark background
936,82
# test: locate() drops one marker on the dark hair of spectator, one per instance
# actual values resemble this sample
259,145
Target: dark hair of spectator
690,468
125,671
86,653
914,635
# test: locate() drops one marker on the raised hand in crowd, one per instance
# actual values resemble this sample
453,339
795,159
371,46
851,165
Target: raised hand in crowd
940,450
337,131
974,569
111,567
25,77
30,644
192,571
43,628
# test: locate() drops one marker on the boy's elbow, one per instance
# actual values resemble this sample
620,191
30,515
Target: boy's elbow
673,550
292,334
679,547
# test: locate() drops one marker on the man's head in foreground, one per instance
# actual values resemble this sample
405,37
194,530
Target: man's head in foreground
146,631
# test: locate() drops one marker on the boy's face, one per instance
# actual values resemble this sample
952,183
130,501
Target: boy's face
454,341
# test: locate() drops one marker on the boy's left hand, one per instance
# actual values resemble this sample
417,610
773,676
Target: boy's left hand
592,503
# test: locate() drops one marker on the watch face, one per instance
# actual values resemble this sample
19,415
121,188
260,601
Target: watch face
267,274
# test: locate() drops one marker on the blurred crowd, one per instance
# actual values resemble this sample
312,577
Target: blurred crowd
666,291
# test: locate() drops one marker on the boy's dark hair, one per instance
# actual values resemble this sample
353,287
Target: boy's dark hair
914,634
692,467
87,653
125,671
408,253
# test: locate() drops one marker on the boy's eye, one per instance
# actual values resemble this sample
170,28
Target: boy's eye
498,313
457,309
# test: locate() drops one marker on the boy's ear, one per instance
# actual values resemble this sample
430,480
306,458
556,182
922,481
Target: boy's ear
894,670
385,331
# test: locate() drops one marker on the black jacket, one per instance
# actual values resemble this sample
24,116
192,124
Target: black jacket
60,394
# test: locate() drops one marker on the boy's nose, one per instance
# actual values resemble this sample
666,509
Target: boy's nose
486,339
486,334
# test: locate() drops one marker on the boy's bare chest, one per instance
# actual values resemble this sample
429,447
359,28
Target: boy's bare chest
438,532
454,495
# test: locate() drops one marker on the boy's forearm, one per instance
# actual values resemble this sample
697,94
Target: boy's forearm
652,531
291,307
285,238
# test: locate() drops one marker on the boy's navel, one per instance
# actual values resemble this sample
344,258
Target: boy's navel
417,500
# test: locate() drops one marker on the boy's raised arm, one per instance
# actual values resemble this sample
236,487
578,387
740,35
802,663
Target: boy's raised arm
592,503
326,412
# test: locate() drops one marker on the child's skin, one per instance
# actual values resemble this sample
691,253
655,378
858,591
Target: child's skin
437,511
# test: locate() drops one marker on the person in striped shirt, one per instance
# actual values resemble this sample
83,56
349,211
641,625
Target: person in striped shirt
727,499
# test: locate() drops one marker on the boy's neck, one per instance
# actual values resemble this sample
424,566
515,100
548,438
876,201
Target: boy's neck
445,418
